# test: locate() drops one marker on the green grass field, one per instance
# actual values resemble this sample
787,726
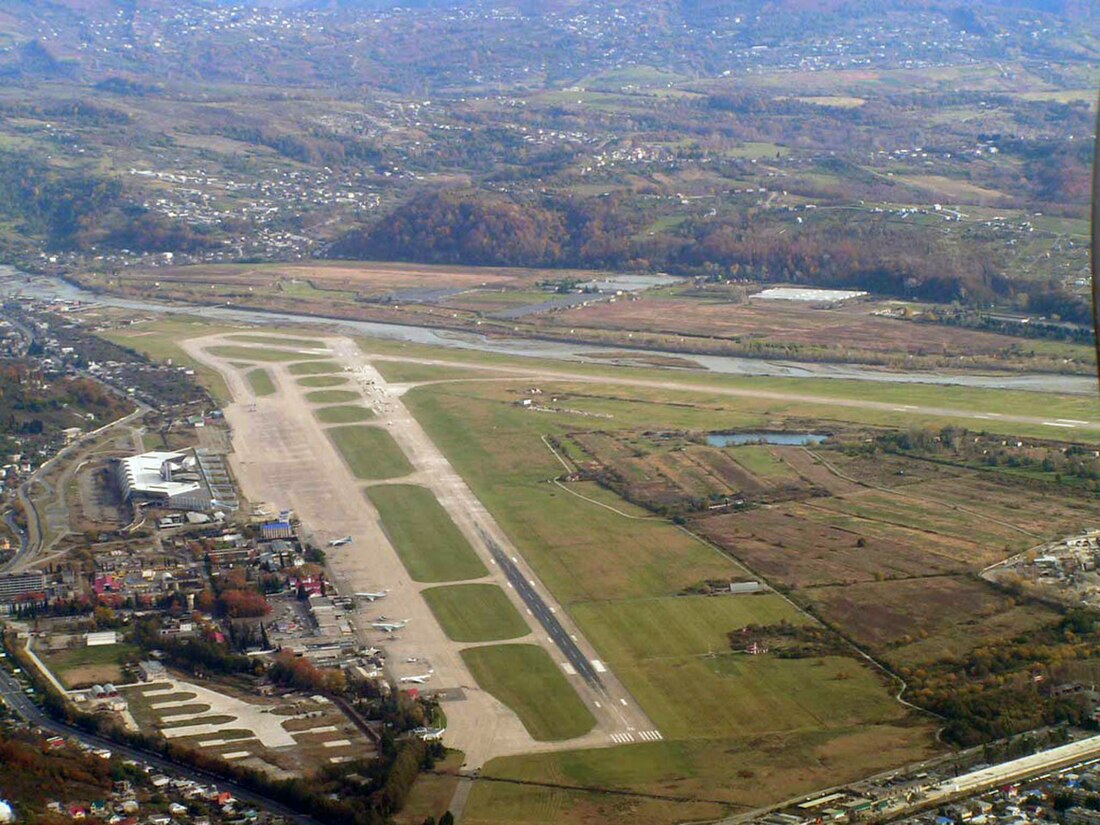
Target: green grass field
398,372
279,341
761,461
428,542
684,626
816,397
371,453
260,381
498,450
527,680
322,381
343,415
332,396
747,771
90,665
671,651
658,646
258,354
431,794
475,613
314,368
160,340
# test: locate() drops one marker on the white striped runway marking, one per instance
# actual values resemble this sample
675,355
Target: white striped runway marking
568,668
598,666
643,735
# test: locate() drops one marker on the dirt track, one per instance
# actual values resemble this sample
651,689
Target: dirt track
283,457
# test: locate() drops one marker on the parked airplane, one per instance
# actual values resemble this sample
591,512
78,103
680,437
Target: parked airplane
340,542
418,680
389,627
371,597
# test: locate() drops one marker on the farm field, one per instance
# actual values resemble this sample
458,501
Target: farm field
528,681
371,453
793,324
665,471
428,542
475,613
260,381
343,414
787,322
764,462
917,621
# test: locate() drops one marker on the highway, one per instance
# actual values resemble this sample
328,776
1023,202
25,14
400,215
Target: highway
11,692
544,614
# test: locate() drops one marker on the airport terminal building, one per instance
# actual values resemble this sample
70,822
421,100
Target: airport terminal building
184,480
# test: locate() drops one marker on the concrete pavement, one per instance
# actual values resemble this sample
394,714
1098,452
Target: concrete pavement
283,457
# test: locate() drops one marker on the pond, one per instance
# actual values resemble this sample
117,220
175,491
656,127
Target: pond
784,439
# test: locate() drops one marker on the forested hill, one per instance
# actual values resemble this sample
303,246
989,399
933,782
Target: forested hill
463,226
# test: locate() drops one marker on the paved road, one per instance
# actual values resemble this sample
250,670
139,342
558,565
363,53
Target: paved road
12,695
547,618
32,544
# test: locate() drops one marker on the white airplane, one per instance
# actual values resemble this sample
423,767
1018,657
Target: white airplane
370,597
416,680
340,542
389,627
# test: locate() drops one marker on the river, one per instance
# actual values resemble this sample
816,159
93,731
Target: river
14,283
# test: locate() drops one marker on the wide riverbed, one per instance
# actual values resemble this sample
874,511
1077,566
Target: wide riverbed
14,283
